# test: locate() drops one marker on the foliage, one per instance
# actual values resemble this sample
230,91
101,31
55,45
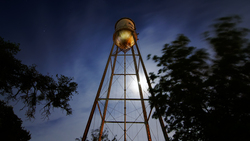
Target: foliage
95,135
21,82
203,98
11,126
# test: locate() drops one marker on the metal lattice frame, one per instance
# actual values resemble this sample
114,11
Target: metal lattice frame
97,98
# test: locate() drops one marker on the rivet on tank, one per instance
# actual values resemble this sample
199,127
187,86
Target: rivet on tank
124,32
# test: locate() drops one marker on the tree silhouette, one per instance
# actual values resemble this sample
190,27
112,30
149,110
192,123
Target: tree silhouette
21,82
202,97
95,136
10,125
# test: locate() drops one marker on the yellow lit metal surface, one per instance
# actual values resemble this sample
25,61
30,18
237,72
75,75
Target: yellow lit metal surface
125,23
125,33
124,39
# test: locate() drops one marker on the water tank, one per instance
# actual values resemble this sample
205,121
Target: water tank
124,31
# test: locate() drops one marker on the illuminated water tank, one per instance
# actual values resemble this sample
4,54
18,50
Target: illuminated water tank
124,31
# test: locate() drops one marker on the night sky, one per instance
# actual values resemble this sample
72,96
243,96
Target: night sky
74,38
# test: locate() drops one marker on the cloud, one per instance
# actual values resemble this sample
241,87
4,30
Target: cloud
78,38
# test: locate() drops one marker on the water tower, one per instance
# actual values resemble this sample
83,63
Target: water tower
121,103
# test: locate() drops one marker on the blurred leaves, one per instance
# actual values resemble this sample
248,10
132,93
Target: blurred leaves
24,83
96,132
203,98
10,125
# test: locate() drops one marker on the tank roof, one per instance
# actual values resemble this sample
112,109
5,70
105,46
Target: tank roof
125,18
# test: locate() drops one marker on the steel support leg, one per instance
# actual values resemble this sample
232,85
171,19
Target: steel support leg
108,93
150,87
125,110
97,96
141,95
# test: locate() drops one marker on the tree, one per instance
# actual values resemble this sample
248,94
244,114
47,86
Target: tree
10,125
203,98
95,135
229,81
21,82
